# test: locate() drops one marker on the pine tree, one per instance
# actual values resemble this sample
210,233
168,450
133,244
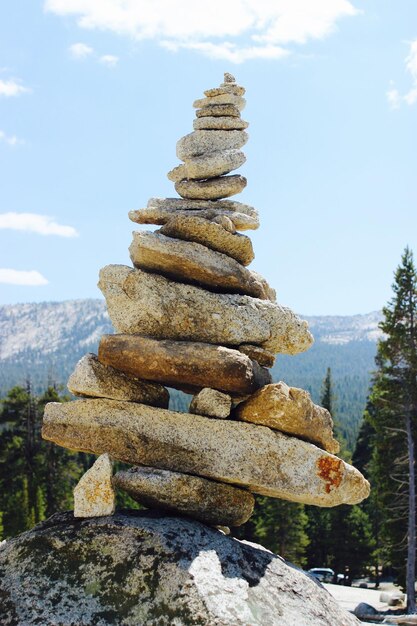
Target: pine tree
393,415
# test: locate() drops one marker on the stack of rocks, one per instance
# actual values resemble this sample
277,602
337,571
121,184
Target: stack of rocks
191,316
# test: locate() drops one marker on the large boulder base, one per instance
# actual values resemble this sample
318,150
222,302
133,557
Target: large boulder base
144,569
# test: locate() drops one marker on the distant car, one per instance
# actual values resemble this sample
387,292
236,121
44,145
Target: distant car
323,574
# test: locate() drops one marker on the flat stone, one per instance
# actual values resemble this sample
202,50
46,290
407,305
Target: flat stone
201,142
212,235
205,500
214,164
212,189
156,215
94,495
224,98
183,204
218,110
236,90
256,353
219,123
182,364
93,379
291,411
152,305
255,457
143,568
211,403
194,263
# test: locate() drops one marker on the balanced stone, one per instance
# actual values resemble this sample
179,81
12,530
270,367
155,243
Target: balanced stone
93,379
255,457
214,164
224,98
219,110
237,90
157,215
219,123
291,411
94,494
212,235
205,500
149,304
181,203
211,403
211,189
204,141
256,353
183,364
192,262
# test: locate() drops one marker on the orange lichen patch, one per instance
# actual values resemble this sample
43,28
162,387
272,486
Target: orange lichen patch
330,470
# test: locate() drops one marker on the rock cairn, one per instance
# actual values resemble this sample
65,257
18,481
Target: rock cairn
190,315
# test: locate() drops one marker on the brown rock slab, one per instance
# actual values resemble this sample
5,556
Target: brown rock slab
93,379
257,458
94,495
219,110
206,500
211,189
219,123
201,142
210,166
224,98
212,235
184,204
236,90
152,305
256,353
211,403
192,262
156,215
291,411
181,363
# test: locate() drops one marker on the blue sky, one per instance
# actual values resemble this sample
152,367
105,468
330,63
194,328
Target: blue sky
94,96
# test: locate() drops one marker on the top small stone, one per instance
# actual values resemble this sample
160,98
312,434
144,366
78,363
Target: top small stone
229,78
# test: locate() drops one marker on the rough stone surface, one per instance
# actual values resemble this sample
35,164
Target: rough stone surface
192,262
255,457
149,304
212,235
219,123
93,379
205,500
94,494
156,215
211,403
143,569
291,411
226,223
182,364
211,189
262,356
214,164
204,141
237,90
224,98
219,110
181,203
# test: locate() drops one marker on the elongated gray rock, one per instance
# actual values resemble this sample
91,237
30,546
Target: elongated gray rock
142,568
212,235
156,215
219,123
192,262
211,189
183,204
211,403
237,90
291,411
149,304
215,164
224,98
182,364
94,494
205,500
93,379
254,457
205,141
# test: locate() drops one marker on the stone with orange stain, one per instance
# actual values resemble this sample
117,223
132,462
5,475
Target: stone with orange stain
94,495
331,471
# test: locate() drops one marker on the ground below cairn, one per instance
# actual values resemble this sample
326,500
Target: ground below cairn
149,569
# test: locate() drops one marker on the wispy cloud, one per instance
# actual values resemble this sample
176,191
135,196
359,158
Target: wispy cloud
10,140
394,97
34,223
235,30
12,87
31,278
109,59
80,51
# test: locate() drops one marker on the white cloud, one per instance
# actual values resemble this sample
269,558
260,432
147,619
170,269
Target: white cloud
393,95
80,51
109,59
11,87
11,140
234,30
30,278
34,223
